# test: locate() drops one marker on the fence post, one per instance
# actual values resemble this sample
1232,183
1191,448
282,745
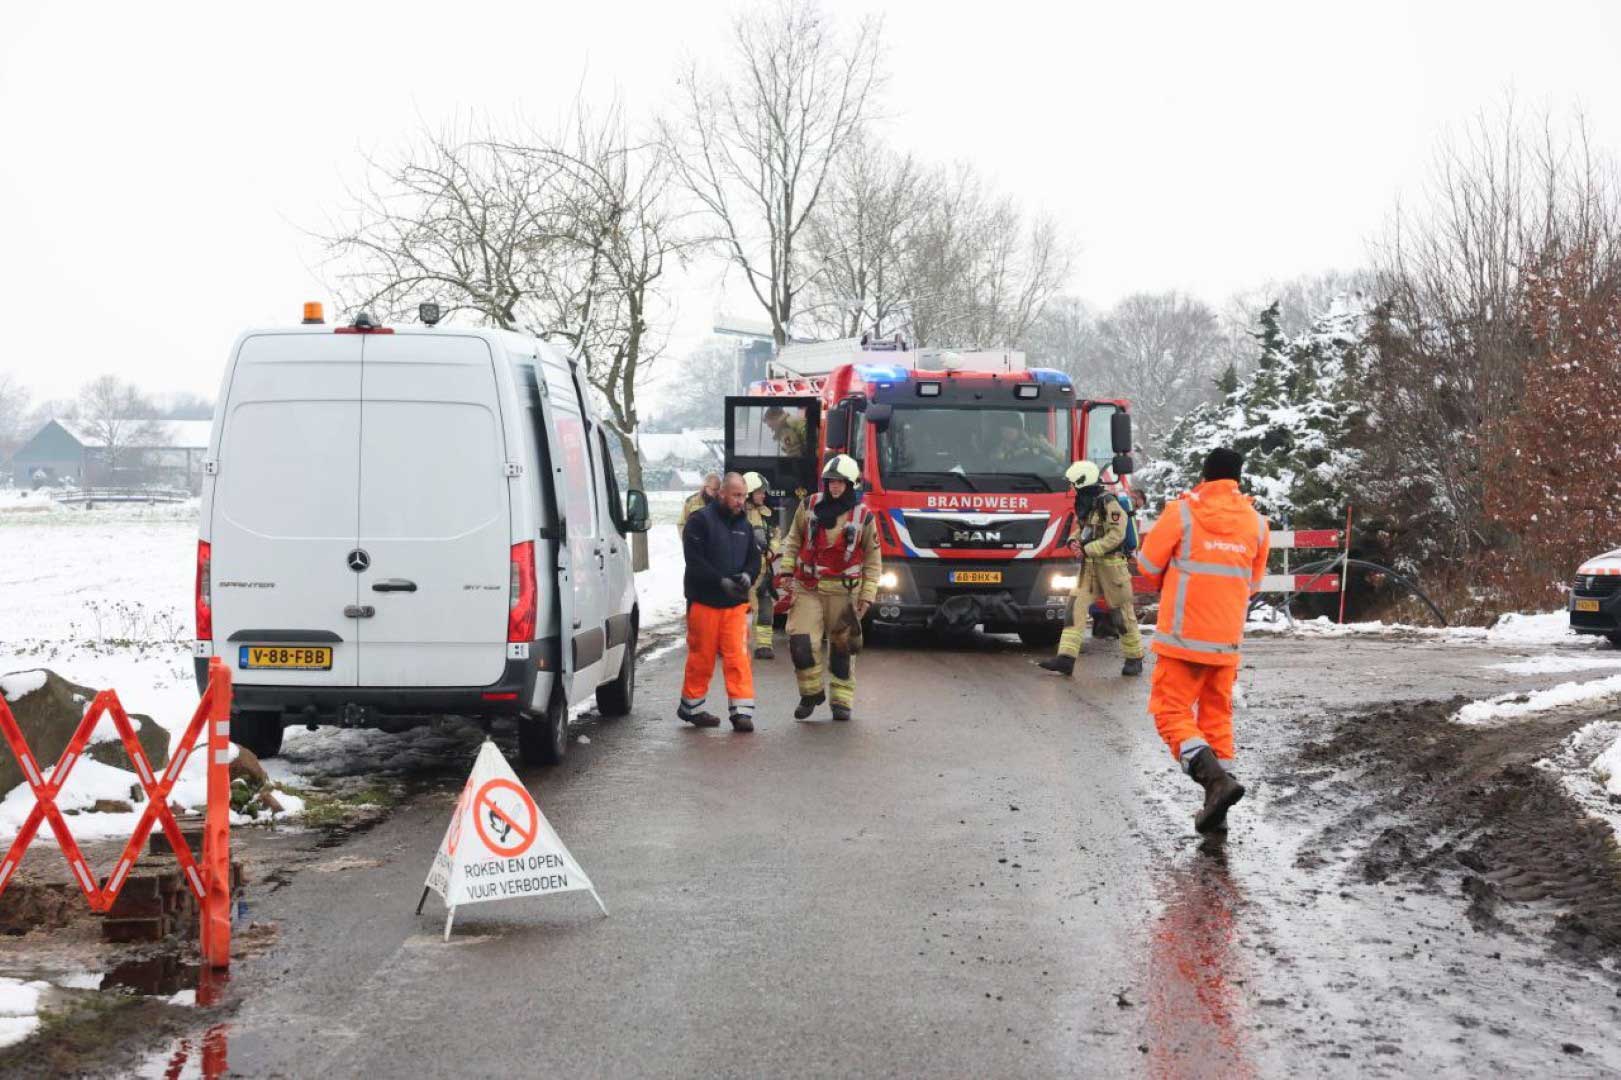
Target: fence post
215,938
1345,563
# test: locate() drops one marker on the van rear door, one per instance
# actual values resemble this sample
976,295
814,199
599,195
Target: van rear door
283,522
435,519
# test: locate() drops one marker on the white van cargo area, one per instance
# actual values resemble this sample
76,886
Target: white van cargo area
399,523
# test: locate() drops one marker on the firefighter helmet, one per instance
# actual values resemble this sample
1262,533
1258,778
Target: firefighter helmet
841,467
752,482
1082,474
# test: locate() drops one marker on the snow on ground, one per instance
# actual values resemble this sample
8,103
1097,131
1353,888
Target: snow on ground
104,598
1589,769
1532,630
1514,706
19,1008
1557,664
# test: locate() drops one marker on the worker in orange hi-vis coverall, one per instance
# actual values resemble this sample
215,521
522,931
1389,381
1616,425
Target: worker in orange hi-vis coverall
722,564
1207,556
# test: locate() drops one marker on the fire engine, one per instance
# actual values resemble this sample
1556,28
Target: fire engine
962,459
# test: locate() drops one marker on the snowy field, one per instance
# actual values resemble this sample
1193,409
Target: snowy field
103,597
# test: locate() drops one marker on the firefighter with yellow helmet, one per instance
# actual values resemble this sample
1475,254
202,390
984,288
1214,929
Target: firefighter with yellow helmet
1105,536
832,549
763,597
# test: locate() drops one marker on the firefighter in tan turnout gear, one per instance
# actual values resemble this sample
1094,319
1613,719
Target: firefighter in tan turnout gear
763,597
832,548
1105,536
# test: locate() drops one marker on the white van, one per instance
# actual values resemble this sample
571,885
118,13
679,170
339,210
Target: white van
404,522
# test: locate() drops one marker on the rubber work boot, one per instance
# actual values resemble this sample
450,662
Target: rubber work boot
1058,665
808,703
841,712
764,652
700,719
1134,666
1221,791
742,722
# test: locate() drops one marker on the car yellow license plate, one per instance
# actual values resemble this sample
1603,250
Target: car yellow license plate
286,657
976,577
1587,605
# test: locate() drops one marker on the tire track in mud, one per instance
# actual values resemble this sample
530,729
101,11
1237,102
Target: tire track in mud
1442,807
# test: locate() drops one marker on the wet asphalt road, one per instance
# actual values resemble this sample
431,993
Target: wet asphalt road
990,872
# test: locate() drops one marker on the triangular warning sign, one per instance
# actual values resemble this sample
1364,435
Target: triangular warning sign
499,846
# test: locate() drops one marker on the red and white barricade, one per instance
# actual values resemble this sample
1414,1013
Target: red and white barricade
211,882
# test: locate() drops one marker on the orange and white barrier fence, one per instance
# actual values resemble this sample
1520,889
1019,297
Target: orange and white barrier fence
1293,540
211,882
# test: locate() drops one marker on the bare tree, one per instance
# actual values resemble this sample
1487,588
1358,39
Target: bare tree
980,272
119,419
1452,345
1065,336
1160,350
564,237
15,410
863,237
757,150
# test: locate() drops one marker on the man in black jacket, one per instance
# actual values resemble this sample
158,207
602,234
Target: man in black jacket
722,563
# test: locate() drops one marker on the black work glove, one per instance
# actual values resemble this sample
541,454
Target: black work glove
736,588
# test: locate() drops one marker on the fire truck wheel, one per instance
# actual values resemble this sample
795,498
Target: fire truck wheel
1615,641
1045,636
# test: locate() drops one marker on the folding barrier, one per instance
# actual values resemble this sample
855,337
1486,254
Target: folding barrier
210,883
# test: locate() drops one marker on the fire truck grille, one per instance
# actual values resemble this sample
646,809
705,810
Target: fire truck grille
946,533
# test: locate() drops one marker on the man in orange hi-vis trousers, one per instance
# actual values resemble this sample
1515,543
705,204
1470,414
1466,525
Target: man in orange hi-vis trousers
722,564
1207,556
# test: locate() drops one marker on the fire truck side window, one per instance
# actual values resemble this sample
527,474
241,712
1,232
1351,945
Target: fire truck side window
769,431
1099,443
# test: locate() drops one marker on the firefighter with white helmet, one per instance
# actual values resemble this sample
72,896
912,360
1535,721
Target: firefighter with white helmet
1106,536
832,549
762,598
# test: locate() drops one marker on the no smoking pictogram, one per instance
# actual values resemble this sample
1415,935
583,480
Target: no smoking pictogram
506,817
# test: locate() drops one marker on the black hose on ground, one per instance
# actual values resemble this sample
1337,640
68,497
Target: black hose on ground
1324,567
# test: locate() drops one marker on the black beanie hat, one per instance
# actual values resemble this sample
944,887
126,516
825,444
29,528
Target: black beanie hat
1223,464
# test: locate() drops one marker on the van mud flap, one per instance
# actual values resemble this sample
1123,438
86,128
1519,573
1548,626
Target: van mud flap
962,613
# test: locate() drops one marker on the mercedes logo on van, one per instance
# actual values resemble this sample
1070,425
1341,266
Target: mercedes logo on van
359,561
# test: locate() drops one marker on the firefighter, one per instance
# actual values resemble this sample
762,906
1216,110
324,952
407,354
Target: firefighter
1012,445
722,563
789,431
1207,556
700,498
1101,535
832,548
763,597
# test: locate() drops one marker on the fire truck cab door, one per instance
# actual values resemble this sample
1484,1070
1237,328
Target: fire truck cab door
779,438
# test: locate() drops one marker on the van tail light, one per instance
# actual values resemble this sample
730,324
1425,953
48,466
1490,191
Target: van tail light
521,613
205,591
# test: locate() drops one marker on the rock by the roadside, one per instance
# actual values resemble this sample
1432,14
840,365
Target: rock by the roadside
111,806
246,767
48,709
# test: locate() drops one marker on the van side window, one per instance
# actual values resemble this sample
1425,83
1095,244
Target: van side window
610,481
579,491
535,437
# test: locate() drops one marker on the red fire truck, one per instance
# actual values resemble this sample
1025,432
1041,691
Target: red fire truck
962,460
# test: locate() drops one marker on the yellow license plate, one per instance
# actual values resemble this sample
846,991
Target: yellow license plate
1587,605
976,577
286,657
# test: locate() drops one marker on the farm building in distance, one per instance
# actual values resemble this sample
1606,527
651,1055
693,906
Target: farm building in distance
167,453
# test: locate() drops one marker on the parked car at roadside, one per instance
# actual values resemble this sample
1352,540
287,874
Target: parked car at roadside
1595,598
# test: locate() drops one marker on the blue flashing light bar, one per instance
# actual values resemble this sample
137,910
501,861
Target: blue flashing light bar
1048,375
882,372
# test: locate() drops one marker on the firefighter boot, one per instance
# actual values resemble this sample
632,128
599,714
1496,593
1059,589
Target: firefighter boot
807,704
1133,666
841,712
1058,665
764,652
1221,790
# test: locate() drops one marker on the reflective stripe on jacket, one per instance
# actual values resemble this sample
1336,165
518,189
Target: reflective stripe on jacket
1207,555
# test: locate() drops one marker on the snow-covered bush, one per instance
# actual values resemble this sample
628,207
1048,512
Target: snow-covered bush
1296,419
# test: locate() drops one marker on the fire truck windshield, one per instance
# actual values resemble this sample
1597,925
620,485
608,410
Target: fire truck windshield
940,448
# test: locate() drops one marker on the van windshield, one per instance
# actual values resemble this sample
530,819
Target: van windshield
940,448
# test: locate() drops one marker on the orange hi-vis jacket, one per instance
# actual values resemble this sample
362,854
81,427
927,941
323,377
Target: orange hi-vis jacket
1207,555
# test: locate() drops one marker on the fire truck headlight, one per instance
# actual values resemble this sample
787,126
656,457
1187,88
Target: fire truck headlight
1063,583
888,579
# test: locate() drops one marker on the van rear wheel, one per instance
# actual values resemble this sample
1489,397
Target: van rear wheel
258,731
543,738
617,698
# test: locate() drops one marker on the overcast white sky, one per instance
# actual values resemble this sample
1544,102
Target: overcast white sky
158,162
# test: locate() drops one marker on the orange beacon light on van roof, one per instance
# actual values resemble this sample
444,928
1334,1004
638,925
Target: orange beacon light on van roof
313,313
